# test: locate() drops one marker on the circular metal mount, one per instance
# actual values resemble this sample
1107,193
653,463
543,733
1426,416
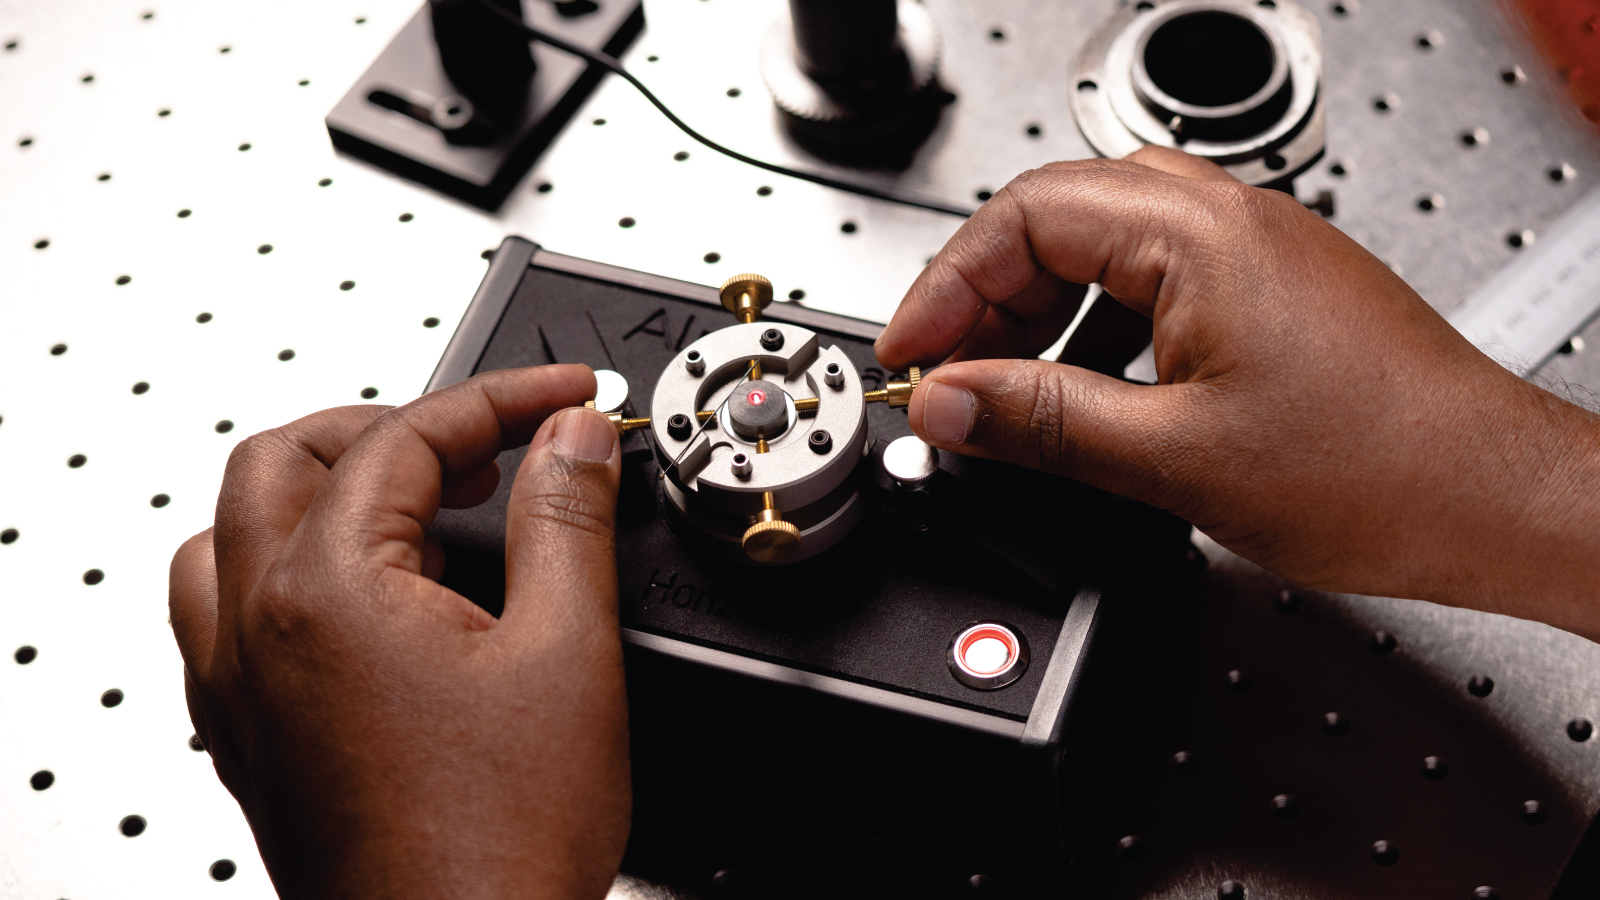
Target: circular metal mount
810,487
1264,129
987,656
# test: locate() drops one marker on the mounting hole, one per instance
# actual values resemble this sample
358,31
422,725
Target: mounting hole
713,257
1130,846
406,217
1230,890
140,387
132,826
264,249
1516,240
304,82
367,393
163,113
997,35
1429,40
1578,729
103,176
1209,58
1088,85
1430,202
1274,162
58,349
203,318
124,279
324,182
1285,806
9,536
1477,137
1267,4
1033,130
1385,103
1144,6
185,213
1383,643
797,295
627,222
1434,768
160,500
984,195
88,79
42,779
599,121
346,285
26,654
763,191
1480,685
224,49
111,699
76,461
1344,8
223,869
224,426
1561,173
848,227
1335,725
544,187
734,92
285,355
41,243
1338,169
430,322
652,58
1511,76
681,155
244,147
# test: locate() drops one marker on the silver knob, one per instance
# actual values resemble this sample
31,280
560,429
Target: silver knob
910,462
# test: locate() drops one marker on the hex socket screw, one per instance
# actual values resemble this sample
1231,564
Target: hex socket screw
694,362
741,465
772,339
833,374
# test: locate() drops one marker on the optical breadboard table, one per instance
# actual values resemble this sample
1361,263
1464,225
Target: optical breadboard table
185,261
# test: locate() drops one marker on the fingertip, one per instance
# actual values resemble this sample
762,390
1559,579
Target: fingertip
584,434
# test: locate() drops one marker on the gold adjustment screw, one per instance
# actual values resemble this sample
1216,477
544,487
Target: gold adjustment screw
898,393
771,540
746,296
623,426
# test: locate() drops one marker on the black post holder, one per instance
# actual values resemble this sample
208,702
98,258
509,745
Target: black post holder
403,113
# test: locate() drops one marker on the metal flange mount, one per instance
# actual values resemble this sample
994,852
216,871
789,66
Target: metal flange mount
1237,82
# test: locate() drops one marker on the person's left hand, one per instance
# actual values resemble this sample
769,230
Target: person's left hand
384,736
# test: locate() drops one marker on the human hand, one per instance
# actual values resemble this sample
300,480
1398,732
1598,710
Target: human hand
385,736
1313,414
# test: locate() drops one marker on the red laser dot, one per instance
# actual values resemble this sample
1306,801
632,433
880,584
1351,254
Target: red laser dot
757,397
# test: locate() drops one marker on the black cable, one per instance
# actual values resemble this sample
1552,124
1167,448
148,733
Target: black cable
615,65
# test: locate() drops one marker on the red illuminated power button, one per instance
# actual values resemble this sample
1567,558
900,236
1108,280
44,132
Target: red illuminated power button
987,656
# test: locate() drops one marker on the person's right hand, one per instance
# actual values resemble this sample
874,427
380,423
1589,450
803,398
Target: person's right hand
1313,414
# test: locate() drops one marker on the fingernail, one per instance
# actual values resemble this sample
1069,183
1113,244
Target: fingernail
946,413
585,435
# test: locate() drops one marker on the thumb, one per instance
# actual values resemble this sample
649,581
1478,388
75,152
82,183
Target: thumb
561,570
1141,441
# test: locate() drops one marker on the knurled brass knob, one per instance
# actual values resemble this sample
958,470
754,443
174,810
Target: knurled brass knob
746,296
772,542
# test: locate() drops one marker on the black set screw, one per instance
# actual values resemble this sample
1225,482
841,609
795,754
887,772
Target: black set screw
820,442
772,339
